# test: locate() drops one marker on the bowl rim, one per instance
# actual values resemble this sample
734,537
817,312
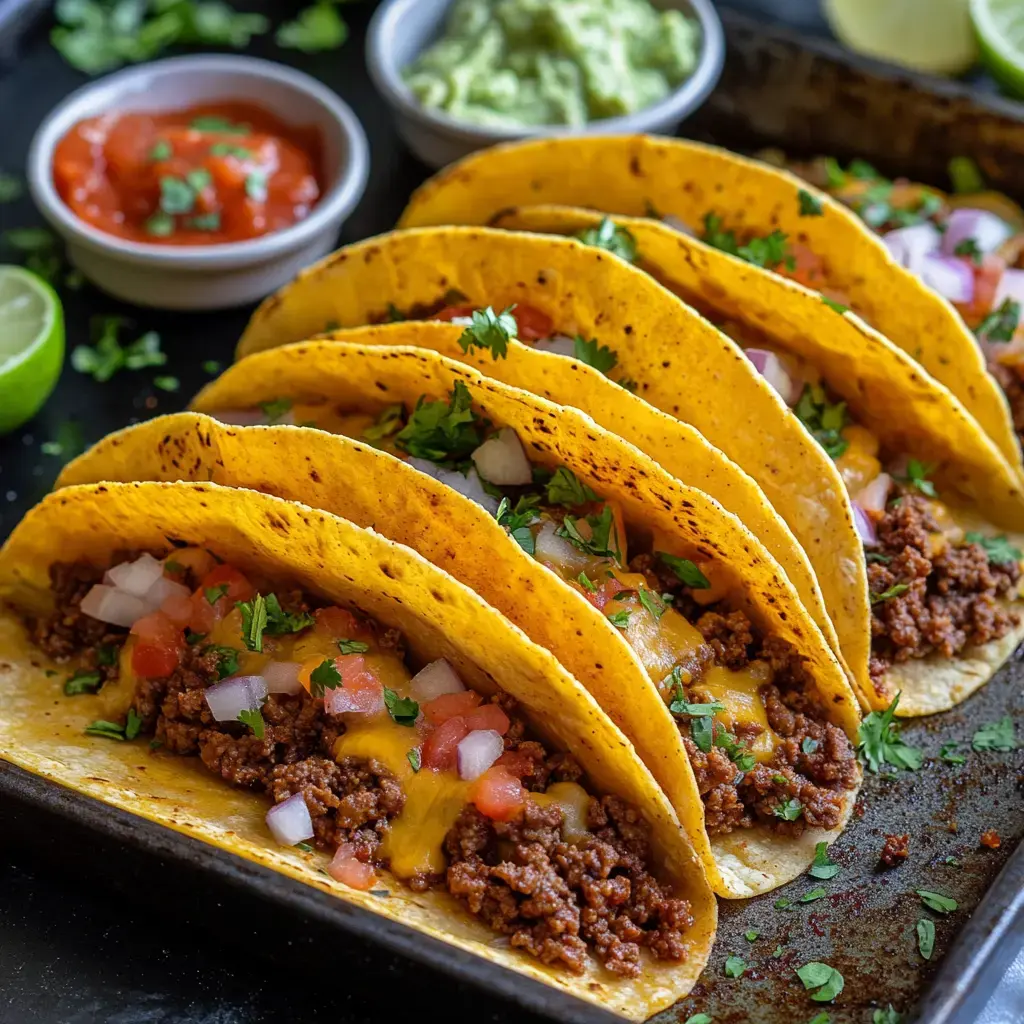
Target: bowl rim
686,97
334,205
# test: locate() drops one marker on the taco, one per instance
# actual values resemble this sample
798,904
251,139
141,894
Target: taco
355,700
930,491
662,604
755,212
630,327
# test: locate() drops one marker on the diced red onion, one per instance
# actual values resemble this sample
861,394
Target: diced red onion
560,345
135,577
478,751
289,821
469,485
549,547
434,680
162,590
351,701
500,460
229,699
672,221
1011,286
864,526
771,367
951,277
873,496
108,604
282,677
909,246
982,226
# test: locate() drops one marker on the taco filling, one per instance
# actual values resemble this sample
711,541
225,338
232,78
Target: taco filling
382,767
760,742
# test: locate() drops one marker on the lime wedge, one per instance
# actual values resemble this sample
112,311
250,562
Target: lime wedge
31,345
999,26
926,35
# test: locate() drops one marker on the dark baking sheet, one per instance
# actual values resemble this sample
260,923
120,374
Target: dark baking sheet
146,940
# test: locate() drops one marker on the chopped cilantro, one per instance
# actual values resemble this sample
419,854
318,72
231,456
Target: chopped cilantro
999,735
788,810
254,621
108,730
491,331
565,488
443,431
946,753
594,354
280,622
155,744
403,710
999,550
602,527
783,903
685,571
324,677
108,356
227,659
894,591
159,225
681,706
887,1016
517,521
133,725
826,981
316,28
395,315
214,594
965,176
751,935
822,867
702,732
875,556
413,757
161,151
936,901
767,252
211,366
820,1018
220,125
256,185
778,951
879,741
230,149
810,205
1001,324
69,442
917,476
206,221
735,966
167,383
253,719
699,1018
926,937
734,750
83,681
824,419
389,421
619,619
199,179
968,248
304,847
809,745
176,195
608,235
276,409
106,654
838,307
652,602
586,583
11,187
353,647
812,895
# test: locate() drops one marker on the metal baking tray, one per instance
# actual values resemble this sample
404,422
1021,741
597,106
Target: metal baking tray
778,89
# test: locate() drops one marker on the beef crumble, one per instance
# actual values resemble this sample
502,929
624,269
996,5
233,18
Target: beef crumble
1011,379
895,850
951,600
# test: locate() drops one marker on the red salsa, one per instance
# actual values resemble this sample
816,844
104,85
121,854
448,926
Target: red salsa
199,176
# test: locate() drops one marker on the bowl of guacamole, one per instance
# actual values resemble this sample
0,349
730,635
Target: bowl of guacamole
464,74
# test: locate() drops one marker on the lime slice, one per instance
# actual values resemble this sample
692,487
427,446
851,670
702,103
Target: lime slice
31,345
999,25
927,35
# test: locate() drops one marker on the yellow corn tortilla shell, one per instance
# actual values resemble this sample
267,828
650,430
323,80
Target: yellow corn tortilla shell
349,565
682,365
633,174
884,388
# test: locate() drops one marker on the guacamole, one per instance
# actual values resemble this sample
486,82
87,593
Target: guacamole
553,62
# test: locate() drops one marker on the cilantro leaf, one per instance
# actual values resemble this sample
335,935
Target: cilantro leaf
751,935
999,550
413,757
789,810
968,248
810,205
214,594
211,366
965,176
894,591
824,419
276,409
324,677
887,1016
108,730
735,966
253,719
12,188
917,476
822,867
948,755
652,603
403,710
702,732
879,741
227,659
565,488
832,304
608,235
317,28
936,901
826,981
389,420
681,706
254,621
281,623
69,442
999,735
594,354
1001,324
352,647
517,521
926,937
812,894
809,745
107,356
443,431
686,571
491,331
83,681
167,383
699,1018
619,619
600,527
586,583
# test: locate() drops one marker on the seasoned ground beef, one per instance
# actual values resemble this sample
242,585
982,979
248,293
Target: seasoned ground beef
555,899
1011,378
952,595
895,850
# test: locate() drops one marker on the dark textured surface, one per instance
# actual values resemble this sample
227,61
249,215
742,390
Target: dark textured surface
91,930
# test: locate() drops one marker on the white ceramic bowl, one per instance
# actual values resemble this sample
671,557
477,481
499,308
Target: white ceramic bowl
206,276
402,29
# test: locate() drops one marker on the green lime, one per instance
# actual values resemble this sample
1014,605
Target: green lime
31,345
927,35
999,26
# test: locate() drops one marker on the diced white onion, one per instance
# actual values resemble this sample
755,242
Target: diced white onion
135,577
162,590
982,227
282,677
560,345
435,679
478,751
771,367
872,497
864,525
108,604
462,321
469,485
342,701
1011,286
909,246
228,699
500,460
289,821
952,278
549,547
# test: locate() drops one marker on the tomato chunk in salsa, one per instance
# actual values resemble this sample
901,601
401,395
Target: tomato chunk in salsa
199,176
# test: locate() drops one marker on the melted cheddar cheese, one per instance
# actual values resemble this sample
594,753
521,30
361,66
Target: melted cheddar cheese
574,801
740,693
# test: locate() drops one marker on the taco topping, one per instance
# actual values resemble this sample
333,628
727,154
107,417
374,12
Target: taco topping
316,708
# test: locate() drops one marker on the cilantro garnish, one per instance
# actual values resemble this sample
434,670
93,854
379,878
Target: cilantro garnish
113,731
443,431
820,1018
206,221
965,176
214,594
106,654
810,205
608,235
102,360
256,185
254,621
160,224
517,521
813,894
809,745
894,591
161,151
652,602
824,419
230,149
879,741
586,583
176,195
317,28
734,750
1001,324
619,619
594,354
211,366
788,810
167,383
219,125
751,935
276,409
565,488
304,847
999,550
917,476
227,659
491,331
702,732
926,937
602,526
403,710
83,681
699,1018
968,248
735,966
686,571
875,556
11,188
681,706
69,442
324,677
822,867
395,315
999,735
948,755
253,719
767,252
353,647
413,757
832,304
826,981
133,725
936,901
389,420
887,1016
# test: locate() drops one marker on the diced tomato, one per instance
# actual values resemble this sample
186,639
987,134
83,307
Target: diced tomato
157,651
178,608
808,268
986,282
516,763
198,561
345,868
605,592
451,312
448,705
438,750
489,716
204,617
497,794
336,623
532,323
239,588
360,691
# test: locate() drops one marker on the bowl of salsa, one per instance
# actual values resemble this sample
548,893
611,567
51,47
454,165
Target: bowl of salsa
198,182
464,74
